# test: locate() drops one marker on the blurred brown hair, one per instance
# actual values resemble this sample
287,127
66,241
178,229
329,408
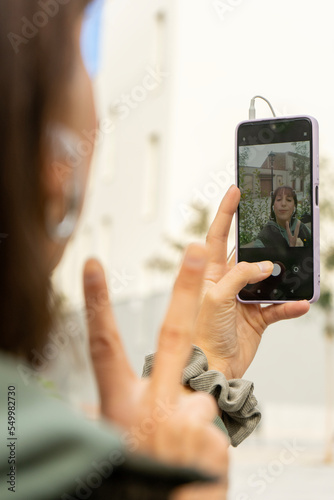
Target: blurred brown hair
31,83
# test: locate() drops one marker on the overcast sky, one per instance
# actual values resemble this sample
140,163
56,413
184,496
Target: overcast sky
258,153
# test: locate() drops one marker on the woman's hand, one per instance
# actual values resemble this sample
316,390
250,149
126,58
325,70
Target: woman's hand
228,331
158,419
294,241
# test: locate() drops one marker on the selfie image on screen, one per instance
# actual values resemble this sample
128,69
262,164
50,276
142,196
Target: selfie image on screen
275,207
275,213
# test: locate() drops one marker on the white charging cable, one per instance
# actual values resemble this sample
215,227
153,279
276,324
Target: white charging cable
252,112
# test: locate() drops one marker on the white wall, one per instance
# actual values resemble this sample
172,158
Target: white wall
216,58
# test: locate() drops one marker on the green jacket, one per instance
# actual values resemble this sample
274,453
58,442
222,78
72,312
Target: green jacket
273,235
49,452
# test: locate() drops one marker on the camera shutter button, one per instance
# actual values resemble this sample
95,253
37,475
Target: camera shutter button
277,270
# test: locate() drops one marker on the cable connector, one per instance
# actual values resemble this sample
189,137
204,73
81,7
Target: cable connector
252,111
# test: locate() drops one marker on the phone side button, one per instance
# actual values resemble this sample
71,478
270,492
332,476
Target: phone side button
317,195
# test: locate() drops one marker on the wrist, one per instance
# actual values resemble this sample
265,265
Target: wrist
222,367
218,363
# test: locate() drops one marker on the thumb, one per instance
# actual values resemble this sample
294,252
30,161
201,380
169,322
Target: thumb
243,274
111,366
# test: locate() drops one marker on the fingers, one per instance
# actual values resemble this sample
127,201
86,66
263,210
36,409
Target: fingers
191,427
241,275
201,406
292,239
297,230
177,332
289,310
108,355
218,233
211,452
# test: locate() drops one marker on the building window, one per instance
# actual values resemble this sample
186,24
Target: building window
104,238
159,45
151,176
107,158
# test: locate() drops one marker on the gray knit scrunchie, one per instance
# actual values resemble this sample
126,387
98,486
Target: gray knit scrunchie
234,397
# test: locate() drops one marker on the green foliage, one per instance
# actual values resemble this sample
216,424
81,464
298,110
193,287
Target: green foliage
254,210
304,207
302,164
162,264
329,259
243,156
327,242
200,222
197,226
325,300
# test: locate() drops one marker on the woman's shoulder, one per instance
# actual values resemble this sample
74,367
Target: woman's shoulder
269,228
48,440
305,227
271,234
49,451
305,235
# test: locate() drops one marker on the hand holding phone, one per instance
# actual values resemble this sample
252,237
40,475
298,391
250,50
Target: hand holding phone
278,214
228,331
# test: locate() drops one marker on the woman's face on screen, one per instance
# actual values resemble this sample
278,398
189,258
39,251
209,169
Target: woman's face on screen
284,206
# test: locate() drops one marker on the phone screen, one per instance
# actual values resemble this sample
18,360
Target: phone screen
275,214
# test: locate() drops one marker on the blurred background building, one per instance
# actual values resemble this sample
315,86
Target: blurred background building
173,80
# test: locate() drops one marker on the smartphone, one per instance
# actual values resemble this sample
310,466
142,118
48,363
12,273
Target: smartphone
278,215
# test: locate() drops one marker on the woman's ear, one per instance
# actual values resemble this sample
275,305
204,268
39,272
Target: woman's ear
63,182
58,163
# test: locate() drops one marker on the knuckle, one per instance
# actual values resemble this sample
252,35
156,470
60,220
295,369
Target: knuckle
173,337
188,280
100,344
103,297
242,267
194,428
213,298
207,402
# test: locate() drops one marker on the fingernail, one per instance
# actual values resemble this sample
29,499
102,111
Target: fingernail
93,274
195,256
265,266
92,278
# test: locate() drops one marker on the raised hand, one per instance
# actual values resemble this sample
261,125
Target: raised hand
167,424
294,241
228,331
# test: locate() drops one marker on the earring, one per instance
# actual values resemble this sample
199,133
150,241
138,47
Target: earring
62,230
63,146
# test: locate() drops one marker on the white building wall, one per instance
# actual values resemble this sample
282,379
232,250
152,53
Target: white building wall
157,91
183,133
126,205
